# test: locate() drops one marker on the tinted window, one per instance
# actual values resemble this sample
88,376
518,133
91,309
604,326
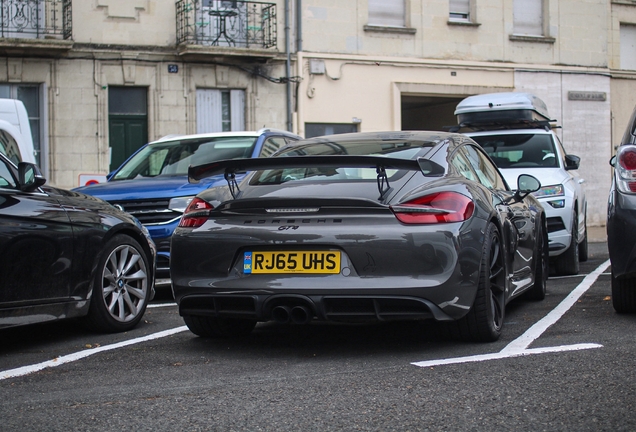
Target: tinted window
9,147
390,148
320,129
6,177
486,172
271,145
463,167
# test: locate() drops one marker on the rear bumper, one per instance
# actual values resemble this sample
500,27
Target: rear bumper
385,274
334,308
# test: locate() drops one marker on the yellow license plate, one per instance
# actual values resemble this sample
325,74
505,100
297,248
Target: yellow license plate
292,262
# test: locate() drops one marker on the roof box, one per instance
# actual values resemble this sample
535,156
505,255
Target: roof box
502,109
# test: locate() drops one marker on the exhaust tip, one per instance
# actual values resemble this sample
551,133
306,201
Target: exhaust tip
281,314
301,315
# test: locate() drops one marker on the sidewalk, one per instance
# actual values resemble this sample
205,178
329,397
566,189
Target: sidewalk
596,234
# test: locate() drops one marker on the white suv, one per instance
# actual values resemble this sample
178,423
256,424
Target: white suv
540,153
515,130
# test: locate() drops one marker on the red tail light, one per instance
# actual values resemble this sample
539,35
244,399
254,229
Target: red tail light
626,169
196,214
441,207
628,160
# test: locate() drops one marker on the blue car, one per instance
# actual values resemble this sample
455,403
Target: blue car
152,184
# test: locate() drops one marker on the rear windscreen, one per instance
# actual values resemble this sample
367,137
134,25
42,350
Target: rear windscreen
393,149
519,150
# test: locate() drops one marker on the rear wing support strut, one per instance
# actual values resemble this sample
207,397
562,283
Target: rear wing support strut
230,177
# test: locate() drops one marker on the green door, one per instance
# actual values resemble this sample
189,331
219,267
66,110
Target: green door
127,122
126,134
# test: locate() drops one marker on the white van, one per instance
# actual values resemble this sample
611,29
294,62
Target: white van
16,141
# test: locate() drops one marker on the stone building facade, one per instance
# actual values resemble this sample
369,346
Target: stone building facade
96,73
366,69
142,69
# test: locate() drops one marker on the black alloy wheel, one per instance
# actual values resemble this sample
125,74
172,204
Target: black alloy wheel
484,321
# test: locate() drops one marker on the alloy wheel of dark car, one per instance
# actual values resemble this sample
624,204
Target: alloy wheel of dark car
541,269
484,321
214,327
120,286
624,294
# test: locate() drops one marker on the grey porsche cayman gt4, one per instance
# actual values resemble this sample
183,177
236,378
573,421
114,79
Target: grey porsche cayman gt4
360,227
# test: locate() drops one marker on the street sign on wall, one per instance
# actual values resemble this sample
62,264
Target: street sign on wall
89,179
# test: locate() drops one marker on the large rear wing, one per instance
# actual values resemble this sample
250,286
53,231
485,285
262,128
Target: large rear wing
230,167
233,166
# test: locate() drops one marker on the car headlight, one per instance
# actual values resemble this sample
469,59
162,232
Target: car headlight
180,203
550,191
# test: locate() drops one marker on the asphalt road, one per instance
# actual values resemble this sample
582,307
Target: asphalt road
566,363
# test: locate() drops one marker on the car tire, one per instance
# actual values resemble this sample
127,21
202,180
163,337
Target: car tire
484,321
583,249
624,294
120,287
538,290
213,327
568,262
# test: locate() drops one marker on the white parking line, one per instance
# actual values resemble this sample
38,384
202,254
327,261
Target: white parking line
158,305
519,346
25,370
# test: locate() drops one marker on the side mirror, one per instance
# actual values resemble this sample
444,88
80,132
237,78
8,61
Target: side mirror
29,177
527,184
612,161
572,162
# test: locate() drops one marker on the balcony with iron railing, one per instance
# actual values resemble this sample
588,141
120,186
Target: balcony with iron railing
36,24
233,27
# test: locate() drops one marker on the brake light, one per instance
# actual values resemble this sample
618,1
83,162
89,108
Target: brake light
441,207
628,160
626,168
196,214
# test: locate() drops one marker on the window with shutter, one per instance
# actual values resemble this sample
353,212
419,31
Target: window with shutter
628,46
459,10
220,110
528,17
387,13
